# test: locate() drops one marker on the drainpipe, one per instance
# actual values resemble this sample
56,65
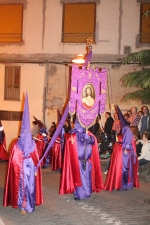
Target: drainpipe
45,88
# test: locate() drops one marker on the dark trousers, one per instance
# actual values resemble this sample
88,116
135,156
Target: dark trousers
143,161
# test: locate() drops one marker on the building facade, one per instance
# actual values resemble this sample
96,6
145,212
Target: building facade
38,40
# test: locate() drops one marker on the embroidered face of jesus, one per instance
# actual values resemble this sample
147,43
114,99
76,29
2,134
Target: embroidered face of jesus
88,96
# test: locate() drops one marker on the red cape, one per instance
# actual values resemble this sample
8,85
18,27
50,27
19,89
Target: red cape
41,148
40,145
56,156
13,177
114,176
3,153
70,172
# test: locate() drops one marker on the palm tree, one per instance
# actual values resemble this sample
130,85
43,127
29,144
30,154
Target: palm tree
139,79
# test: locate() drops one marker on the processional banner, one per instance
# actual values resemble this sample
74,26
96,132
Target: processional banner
88,94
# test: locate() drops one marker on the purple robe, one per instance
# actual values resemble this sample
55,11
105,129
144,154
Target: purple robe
27,194
85,190
84,142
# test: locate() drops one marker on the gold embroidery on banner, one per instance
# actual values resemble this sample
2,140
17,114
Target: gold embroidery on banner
73,88
90,75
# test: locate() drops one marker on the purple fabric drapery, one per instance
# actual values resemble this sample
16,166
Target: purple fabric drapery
88,58
57,132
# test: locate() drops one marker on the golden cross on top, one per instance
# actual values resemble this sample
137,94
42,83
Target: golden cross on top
89,41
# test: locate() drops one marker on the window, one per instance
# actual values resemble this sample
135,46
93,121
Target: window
11,17
11,115
78,22
12,83
145,24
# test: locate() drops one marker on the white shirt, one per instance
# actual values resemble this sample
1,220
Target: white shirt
145,152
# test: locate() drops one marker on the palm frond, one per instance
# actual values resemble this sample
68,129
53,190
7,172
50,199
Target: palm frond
139,95
142,57
139,79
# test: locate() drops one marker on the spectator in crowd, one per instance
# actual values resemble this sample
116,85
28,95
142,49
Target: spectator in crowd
116,128
67,126
138,145
108,125
129,112
140,113
116,124
144,158
126,116
95,128
144,124
106,137
134,121
35,129
52,129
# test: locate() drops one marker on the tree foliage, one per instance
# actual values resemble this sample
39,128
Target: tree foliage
142,57
139,95
139,79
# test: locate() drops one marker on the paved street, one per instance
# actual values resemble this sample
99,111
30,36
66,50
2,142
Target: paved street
114,208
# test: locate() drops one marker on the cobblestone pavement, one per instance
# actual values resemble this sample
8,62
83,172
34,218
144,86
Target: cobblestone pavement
114,208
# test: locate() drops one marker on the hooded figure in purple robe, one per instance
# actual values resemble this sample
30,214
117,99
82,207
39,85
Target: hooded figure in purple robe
81,172
122,174
23,184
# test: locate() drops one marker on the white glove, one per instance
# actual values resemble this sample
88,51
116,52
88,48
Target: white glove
1,128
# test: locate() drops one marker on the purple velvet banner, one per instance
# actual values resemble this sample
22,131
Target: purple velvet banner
88,93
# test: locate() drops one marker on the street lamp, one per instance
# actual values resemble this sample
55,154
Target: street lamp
79,59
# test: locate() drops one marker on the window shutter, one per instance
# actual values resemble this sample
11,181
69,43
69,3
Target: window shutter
11,22
12,83
78,22
145,24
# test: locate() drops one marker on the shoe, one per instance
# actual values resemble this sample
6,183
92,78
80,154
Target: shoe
75,198
106,171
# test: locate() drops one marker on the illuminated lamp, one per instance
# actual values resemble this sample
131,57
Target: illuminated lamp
79,59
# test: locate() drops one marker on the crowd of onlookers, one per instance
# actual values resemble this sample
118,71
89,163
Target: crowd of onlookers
139,123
